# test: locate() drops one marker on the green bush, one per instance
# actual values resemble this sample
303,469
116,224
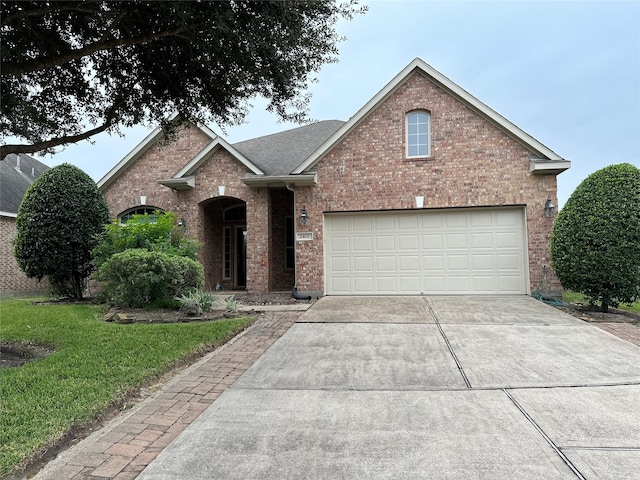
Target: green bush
137,277
595,243
158,232
58,221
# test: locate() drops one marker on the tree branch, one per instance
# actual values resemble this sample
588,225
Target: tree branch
14,69
55,142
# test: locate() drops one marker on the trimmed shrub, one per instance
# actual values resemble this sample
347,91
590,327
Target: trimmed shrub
137,277
58,221
595,243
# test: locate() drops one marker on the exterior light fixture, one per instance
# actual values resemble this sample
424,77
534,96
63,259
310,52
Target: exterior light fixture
182,223
549,208
304,216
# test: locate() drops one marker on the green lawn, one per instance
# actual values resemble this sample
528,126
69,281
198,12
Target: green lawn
573,297
94,365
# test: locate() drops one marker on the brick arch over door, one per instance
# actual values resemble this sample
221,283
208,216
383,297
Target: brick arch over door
223,253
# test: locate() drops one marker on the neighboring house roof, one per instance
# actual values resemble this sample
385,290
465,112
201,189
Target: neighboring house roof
17,173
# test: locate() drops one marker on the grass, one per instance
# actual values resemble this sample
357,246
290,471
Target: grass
574,297
95,364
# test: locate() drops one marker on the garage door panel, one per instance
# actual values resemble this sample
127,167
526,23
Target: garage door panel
483,262
385,243
408,242
409,263
362,244
363,264
434,252
386,263
340,264
456,241
432,241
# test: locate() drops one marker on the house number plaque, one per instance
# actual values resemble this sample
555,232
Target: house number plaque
304,236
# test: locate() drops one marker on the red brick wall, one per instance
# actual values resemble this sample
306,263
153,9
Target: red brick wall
12,279
220,169
473,163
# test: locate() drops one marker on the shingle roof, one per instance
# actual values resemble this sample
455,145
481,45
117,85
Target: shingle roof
280,153
17,173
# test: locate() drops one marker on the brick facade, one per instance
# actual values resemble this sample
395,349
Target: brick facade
472,164
13,280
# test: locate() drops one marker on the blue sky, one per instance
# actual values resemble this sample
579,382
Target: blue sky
566,72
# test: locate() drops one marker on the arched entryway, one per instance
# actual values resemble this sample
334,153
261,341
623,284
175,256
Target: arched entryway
224,250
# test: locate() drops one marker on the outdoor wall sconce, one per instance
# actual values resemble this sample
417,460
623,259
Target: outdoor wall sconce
304,216
549,208
182,223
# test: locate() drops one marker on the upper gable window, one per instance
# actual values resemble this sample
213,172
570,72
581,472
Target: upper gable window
418,136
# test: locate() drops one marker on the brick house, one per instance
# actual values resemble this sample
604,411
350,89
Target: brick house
17,173
425,190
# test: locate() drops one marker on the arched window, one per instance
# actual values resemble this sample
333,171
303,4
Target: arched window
237,213
128,214
418,134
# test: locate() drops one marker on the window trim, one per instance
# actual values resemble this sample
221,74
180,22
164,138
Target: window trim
408,144
139,210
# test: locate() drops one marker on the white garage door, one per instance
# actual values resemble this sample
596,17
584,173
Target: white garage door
471,251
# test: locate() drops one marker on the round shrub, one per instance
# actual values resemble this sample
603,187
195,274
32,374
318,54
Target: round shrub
136,277
595,243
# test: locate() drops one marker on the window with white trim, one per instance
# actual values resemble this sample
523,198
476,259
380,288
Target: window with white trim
418,134
149,212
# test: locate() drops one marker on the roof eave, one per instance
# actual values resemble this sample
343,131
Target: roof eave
131,157
449,86
183,183
218,142
301,180
539,166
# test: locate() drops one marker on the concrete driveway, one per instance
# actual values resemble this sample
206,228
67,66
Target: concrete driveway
424,387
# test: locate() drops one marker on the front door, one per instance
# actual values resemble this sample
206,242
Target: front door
240,244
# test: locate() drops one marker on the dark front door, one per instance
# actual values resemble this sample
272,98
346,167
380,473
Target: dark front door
240,244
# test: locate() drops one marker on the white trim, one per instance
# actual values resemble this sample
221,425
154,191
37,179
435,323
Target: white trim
184,183
406,133
139,149
538,166
218,142
8,214
456,91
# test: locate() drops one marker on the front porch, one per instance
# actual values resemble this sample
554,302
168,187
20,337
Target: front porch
229,242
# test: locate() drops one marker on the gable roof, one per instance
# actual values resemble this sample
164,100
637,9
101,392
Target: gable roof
17,174
280,153
290,156
155,136
542,162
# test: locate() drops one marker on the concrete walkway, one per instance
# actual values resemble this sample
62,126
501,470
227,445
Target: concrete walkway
389,387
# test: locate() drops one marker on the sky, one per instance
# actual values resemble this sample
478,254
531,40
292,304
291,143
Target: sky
565,72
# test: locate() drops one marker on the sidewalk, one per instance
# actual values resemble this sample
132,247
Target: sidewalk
125,446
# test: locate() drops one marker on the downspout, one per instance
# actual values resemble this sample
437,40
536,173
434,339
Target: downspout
294,290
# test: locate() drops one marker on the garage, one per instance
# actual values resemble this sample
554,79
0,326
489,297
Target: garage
459,251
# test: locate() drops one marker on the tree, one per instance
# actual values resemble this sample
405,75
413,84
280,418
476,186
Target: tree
58,222
595,243
71,70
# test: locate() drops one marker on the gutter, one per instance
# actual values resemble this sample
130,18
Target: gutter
300,180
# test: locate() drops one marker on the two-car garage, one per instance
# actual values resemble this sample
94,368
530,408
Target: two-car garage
459,251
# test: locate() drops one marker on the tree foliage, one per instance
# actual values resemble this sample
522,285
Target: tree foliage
58,222
595,243
71,69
